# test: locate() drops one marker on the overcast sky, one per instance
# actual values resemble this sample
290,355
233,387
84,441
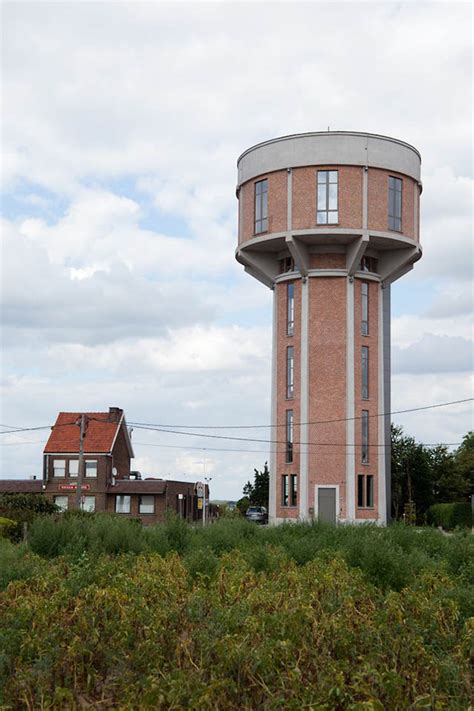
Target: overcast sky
122,123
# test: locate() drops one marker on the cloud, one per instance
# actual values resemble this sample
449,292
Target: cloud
123,128
434,354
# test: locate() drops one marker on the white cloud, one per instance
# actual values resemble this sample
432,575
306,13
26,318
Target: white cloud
123,127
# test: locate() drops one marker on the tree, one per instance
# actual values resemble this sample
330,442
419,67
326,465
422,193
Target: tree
411,474
464,463
256,494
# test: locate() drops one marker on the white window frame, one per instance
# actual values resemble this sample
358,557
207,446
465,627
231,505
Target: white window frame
327,215
90,499
90,461
73,462
290,372
60,506
120,509
140,504
261,206
63,468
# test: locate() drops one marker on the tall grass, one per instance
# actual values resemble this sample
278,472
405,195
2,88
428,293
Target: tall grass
143,631
390,558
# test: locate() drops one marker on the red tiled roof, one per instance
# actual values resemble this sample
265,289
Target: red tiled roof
20,486
137,486
100,434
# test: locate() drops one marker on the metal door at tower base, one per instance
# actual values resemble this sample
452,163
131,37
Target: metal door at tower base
326,503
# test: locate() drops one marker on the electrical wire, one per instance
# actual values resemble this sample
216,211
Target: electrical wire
314,422
165,428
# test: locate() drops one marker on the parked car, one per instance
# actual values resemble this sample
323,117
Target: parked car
257,514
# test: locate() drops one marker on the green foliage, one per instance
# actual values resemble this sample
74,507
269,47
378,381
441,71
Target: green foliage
258,492
18,563
450,516
429,475
8,528
20,504
235,632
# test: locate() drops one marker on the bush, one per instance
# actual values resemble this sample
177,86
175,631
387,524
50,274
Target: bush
8,528
450,516
209,633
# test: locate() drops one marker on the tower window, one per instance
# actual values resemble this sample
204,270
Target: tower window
327,213
293,490
394,204
290,311
290,372
261,206
284,490
365,308
365,436
365,373
289,436
365,491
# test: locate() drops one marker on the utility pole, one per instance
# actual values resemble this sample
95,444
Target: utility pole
207,479
80,473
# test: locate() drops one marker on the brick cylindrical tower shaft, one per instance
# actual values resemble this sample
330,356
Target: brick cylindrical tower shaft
329,221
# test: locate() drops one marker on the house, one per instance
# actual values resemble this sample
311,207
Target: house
108,484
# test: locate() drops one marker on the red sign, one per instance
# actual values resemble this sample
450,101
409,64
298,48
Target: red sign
73,487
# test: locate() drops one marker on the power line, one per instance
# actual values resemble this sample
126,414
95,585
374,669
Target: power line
314,422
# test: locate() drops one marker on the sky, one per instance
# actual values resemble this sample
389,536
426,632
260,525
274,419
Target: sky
121,127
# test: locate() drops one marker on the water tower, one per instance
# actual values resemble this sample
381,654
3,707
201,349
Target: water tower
328,221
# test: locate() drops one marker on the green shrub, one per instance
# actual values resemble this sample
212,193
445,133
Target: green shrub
151,632
8,528
450,516
17,563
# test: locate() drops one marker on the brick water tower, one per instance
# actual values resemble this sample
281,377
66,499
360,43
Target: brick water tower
328,221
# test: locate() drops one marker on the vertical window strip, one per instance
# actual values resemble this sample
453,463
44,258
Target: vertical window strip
369,495
289,436
290,372
365,436
293,490
360,490
365,308
290,316
284,490
365,373
327,197
394,204
261,206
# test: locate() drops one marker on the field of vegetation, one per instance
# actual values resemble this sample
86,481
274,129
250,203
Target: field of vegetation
97,612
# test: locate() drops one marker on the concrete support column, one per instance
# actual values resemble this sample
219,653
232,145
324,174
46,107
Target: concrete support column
274,430
382,494
350,403
304,402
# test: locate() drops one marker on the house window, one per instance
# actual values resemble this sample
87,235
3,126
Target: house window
88,503
289,436
365,491
290,372
261,206
122,504
61,502
59,467
365,436
293,489
91,468
284,490
365,373
146,504
365,308
394,204
290,310
327,213
73,467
